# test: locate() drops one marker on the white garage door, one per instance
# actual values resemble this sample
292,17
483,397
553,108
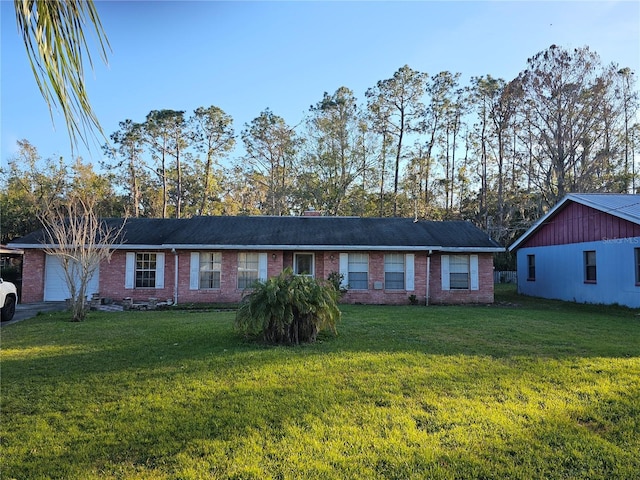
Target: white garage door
55,285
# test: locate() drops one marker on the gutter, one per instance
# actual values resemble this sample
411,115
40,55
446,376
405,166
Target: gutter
334,248
292,247
175,280
472,249
426,301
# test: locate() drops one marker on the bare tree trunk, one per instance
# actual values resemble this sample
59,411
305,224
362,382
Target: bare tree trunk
163,170
397,172
207,181
178,181
382,171
135,188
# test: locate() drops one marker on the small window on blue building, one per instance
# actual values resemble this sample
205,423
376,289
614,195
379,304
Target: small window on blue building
590,266
531,267
637,264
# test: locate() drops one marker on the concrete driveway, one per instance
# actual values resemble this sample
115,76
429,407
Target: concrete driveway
28,310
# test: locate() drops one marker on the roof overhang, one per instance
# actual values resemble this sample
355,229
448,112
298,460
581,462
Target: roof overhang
11,251
581,199
47,246
328,248
522,238
472,249
335,248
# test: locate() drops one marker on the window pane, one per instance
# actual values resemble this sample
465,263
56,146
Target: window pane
247,279
358,275
210,267
394,271
590,266
637,250
210,261
145,270
394,262
209,279
247,269
358,262
248,261
394,280
459,281
459,272
358,280
531,262
304,264
145,279
459,264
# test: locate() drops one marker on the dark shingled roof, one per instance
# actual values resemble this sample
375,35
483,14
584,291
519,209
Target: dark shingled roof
297,232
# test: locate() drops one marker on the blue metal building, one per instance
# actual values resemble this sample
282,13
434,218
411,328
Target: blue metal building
585,249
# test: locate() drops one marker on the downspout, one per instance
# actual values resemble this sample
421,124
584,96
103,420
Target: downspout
428,276
175,279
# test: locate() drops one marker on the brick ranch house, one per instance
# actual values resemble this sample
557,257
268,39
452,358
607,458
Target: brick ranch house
214,259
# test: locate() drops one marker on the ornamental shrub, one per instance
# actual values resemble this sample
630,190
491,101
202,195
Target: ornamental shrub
288,309
335,279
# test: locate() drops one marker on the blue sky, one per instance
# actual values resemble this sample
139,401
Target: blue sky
248,56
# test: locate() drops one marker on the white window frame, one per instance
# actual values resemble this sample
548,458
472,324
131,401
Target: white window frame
355,266
261,269
460,265
531,268
313,263
590,266
474,279
131,269
392,264
203,263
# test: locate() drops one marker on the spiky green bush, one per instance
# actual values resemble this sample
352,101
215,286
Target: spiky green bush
288,309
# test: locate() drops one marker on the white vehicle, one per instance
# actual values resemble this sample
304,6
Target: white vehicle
8,300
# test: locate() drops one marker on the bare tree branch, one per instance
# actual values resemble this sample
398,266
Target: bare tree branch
81,241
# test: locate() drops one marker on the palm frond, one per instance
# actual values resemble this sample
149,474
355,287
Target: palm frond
54,36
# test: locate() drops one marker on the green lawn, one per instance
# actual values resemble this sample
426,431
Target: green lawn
524,389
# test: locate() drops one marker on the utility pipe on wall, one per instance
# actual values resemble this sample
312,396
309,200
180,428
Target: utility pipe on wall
175,280
426,301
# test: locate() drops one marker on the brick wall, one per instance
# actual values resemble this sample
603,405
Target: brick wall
389,297
228,291
32,276
485,282
112,279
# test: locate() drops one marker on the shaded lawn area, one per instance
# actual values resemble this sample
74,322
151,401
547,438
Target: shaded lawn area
526,388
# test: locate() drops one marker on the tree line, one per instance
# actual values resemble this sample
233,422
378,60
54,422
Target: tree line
493,151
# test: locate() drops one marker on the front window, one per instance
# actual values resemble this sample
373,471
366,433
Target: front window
394,271
637,252
210,267
247,269
531,267
146,270
358,276
590,266
303,264
459,272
